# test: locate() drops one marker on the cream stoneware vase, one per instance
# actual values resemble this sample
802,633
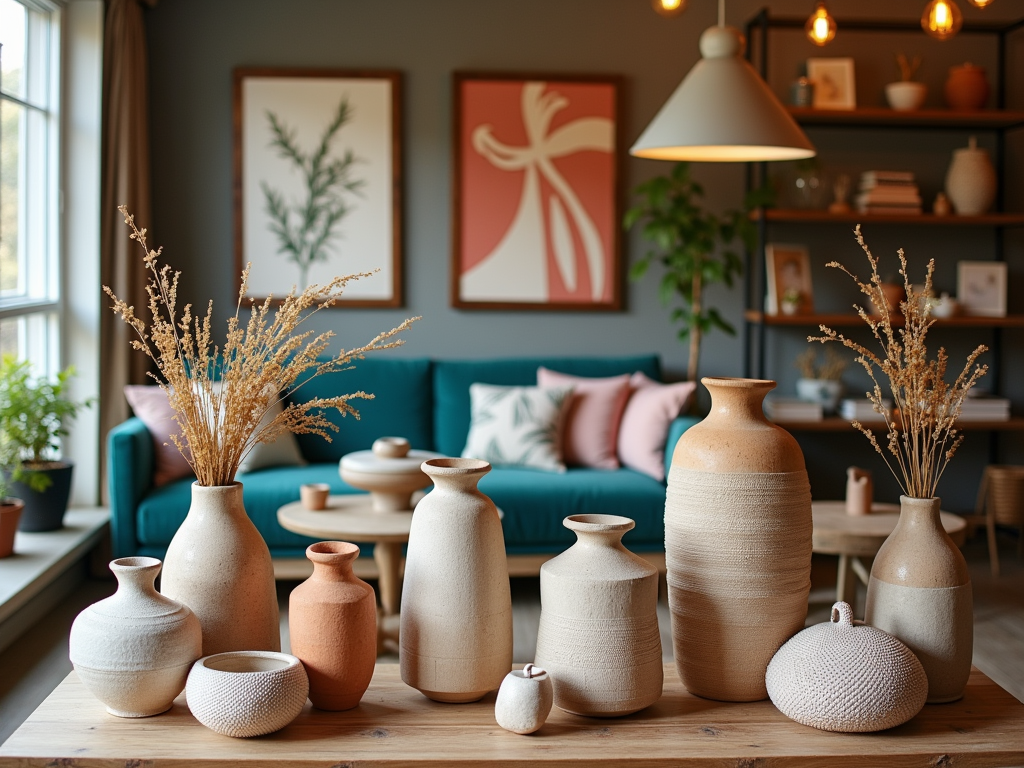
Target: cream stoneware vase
598,636
133,650
971,180
456,622
737,543
332,624
219,566
920,592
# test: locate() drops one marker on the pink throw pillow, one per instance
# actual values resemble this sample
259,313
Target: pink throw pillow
591,425
645,422
150,404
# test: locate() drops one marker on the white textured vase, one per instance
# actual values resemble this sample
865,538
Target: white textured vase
219,566
598,636
920,592
134,649
971,180
456,621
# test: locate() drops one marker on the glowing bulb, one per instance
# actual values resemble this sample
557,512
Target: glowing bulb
942,19
820,27
981,3
669,7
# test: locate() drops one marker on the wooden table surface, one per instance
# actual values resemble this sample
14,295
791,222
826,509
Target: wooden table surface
397,727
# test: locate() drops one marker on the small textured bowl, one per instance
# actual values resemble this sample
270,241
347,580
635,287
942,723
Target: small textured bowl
247,693
853,679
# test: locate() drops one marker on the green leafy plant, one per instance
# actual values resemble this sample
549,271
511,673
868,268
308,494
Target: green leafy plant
687,243
33,418
305,228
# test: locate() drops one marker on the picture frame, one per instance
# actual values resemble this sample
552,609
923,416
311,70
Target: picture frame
536,198
981,287
327,140
788,273
834,84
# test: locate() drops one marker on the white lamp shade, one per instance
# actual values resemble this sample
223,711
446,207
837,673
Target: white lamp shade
723,112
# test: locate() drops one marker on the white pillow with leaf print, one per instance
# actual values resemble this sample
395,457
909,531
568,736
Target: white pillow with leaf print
516,426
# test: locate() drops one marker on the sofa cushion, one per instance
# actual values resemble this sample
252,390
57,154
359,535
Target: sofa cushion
535,503
402,406
453,377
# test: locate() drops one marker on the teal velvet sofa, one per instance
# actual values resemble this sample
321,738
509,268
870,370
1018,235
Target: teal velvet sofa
426,401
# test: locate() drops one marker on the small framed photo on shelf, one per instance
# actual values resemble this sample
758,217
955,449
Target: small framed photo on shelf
981,287
833,83
788,269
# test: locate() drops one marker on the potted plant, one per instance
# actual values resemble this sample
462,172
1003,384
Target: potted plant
10,508
821,383
33,417
688,244
906,95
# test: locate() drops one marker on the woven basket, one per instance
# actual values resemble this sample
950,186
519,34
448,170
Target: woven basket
1005,495
839,677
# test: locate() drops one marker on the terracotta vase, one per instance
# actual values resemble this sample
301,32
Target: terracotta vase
332,622
966,88
920,592
456,622
971,180
737,543
598,636
219,566
134,649
10,514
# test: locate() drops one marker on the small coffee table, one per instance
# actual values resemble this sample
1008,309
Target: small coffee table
855,536
351,517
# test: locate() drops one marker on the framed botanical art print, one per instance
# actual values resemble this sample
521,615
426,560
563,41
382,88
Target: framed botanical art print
536,203
833,83
788,271
981,287
318,181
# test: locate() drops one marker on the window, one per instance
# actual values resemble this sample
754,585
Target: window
29,182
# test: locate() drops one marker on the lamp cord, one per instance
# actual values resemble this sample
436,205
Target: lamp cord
721,13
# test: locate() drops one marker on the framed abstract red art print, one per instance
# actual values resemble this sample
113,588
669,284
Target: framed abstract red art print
536,200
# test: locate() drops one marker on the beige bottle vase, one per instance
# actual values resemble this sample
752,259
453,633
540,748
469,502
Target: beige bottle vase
737,543
219,566
456,622
920,592
598,636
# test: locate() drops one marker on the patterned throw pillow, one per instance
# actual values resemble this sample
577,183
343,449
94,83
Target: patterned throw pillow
516,426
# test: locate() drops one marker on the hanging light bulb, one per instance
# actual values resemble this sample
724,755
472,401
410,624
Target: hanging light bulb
981,3
820,27
942,19
669,7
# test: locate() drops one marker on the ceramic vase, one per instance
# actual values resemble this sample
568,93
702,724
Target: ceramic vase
456,622
133,650
905,96
966,88
598,636
332,621
219,566
971,180
860,491
737,543
920,592
10,514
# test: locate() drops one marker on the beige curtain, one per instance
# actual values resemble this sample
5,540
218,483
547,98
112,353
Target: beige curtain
125,179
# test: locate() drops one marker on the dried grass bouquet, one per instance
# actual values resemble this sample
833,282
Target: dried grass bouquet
220,395
922,431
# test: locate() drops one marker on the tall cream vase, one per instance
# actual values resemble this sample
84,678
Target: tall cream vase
456,622
219,566
920,592
737,543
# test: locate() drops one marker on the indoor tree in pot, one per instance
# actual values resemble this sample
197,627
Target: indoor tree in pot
33,417
217,563
920,588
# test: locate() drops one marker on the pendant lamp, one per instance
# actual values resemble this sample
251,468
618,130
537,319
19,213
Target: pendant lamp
723,112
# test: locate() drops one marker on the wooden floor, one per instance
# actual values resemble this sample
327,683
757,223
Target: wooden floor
38,661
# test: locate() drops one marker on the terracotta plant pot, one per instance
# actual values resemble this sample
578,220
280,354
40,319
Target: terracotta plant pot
332,623
10,513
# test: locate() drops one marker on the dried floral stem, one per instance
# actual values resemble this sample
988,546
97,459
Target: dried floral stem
220,395
922,431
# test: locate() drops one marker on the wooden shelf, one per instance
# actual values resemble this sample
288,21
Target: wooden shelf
847,319
882,117
836,424
801,216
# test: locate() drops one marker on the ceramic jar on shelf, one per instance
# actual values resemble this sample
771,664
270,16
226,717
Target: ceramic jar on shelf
966,87
971,180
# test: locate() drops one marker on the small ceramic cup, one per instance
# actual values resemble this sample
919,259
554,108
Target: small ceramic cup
314,495
524,700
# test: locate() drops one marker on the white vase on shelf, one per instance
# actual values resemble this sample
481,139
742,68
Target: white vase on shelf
971,180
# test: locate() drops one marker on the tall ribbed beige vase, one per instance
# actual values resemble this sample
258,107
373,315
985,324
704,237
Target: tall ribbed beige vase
219,566
456,623
737,543
920,592
598,635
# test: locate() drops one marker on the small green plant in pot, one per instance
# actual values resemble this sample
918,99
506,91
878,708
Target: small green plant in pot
10,507
33,417
821,383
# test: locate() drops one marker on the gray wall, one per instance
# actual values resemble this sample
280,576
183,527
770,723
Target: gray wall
195,44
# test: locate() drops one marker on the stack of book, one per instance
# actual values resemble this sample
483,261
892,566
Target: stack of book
791,409
854,409
985,408
888,192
